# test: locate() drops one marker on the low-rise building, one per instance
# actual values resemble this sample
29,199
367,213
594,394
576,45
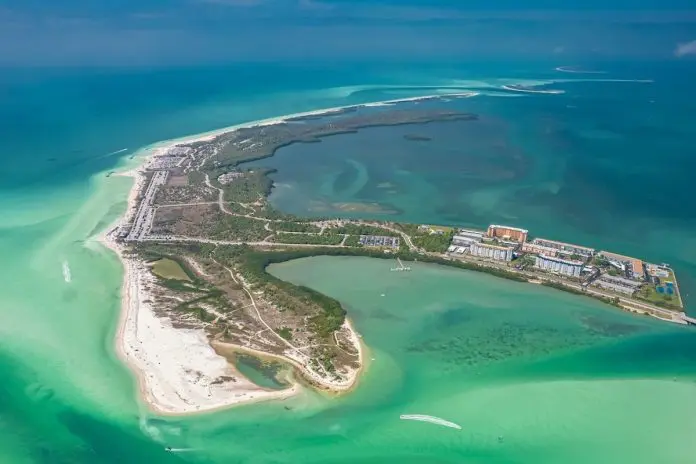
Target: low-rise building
531,247
565,248
486,250
614,287
655,270
637,269
463,240
228,177
621,281
379,241
477,234
559,266
632,266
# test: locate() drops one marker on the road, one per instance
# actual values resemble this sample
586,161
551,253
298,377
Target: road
138,232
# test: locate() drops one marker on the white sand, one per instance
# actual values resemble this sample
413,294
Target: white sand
178,371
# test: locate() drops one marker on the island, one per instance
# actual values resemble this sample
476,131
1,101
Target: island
199,234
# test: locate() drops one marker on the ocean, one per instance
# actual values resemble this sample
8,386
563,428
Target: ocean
531,374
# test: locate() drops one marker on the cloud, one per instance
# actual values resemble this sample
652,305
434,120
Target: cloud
683,49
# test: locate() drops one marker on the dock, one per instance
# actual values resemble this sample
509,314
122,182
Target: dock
401,266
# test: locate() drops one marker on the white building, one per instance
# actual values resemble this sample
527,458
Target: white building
485,250
463,240
605,284
471,234
558,265
566,248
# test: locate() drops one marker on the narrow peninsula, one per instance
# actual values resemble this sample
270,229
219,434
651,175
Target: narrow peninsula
199,234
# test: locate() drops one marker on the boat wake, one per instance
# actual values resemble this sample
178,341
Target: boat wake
116,152
576,70
430,419
66,272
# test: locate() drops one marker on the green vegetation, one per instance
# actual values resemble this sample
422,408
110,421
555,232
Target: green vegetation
238,228
307,239
285,332
237,208
196,177
650,294
252,264
169,269
291,226
354,241
437,243
251,187
269,212
610,301
422,238
558,286
527,259
432,242
205,293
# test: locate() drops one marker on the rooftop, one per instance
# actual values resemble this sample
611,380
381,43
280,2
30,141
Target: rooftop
490,245
541,239
497,226
564,261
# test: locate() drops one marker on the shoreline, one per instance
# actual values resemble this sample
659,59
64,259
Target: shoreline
299,369
161,388
175,389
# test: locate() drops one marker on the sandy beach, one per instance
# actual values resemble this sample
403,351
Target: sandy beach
178,371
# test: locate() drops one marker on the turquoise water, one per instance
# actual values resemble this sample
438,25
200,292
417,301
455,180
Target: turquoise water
607,164
499,358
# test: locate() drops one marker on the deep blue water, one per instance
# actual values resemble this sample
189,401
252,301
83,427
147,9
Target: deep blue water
610,163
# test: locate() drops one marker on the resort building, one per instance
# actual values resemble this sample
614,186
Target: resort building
477,234
565,248
463,240
621,281
559,266
657,271
611,286
633,267
531,247
485,250
507,233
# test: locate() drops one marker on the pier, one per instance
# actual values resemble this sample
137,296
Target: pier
401,266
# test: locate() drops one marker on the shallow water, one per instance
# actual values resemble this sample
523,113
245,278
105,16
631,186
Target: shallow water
450,344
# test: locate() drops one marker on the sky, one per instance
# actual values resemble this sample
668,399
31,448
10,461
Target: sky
181,32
